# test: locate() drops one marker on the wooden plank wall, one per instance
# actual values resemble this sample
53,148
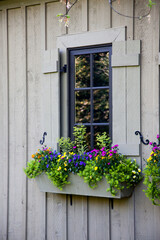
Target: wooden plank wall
29,106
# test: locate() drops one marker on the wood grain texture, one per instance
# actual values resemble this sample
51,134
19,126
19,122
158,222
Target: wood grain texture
17,125
53,27
36,227
3,126
98,219
146,215
127,8
99,15
77,218
56,211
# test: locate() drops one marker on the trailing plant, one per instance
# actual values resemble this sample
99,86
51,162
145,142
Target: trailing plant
94,165
152,174
64,17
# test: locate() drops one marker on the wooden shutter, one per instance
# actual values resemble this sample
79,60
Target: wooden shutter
51,95
126,95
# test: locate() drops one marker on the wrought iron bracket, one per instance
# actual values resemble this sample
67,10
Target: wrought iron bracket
146,142
43,139
64,69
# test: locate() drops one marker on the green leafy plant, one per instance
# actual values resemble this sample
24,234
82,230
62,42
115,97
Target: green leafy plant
92,166
152,175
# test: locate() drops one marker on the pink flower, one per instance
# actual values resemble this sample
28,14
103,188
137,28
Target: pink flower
150,143
114,151
102,149
110,151
90,156
115,146
74,147
109,163
158,136
110,154
103,153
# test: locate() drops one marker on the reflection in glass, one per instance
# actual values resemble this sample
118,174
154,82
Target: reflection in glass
101,69
82,71
101,106
100,130
82,106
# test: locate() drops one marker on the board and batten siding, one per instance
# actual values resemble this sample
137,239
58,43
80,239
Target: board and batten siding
29,105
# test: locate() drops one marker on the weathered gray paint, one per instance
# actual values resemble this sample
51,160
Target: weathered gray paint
29,105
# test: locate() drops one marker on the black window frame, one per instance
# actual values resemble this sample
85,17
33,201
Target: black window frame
71,85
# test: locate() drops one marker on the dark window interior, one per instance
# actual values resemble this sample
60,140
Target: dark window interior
90,91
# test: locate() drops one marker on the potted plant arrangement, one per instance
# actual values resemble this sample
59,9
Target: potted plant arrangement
152,174
99,172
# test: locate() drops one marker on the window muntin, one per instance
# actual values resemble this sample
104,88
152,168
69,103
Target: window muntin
90,90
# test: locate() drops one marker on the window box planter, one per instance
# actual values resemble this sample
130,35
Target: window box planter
79,187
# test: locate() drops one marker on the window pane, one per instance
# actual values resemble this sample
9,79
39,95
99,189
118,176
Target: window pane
82,71
88,137
82,106
101,69
99,130
101,106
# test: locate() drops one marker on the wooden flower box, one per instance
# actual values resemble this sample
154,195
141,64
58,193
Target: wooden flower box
79,187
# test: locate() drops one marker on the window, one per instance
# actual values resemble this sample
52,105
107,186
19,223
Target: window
90,90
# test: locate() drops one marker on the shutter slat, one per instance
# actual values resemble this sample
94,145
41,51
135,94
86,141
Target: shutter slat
126,98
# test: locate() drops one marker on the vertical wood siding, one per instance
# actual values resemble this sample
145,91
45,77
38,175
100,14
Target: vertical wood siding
29,105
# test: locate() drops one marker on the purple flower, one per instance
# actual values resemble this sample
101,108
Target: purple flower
70,160
76,164
90,155
81,163
47,165
114,151
74,147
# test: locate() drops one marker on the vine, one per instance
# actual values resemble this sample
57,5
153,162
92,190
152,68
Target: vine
64,17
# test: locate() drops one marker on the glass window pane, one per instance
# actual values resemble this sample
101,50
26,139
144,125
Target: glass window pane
82,71
82,107
99,130
101,69
101,106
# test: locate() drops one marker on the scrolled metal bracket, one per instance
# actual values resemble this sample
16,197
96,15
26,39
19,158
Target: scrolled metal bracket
43,140
141,138
146,142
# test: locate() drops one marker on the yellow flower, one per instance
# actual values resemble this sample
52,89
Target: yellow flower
65,164
133,172
59,168
154,160
149,159
95,168
65,169
134,176
139,170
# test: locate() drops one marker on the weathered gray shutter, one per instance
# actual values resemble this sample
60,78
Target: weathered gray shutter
51,95
126,95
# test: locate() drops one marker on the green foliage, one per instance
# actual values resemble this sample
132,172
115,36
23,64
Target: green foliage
103,141
125,172
32,170
150,3
66,145
92,166
80,138
152,176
